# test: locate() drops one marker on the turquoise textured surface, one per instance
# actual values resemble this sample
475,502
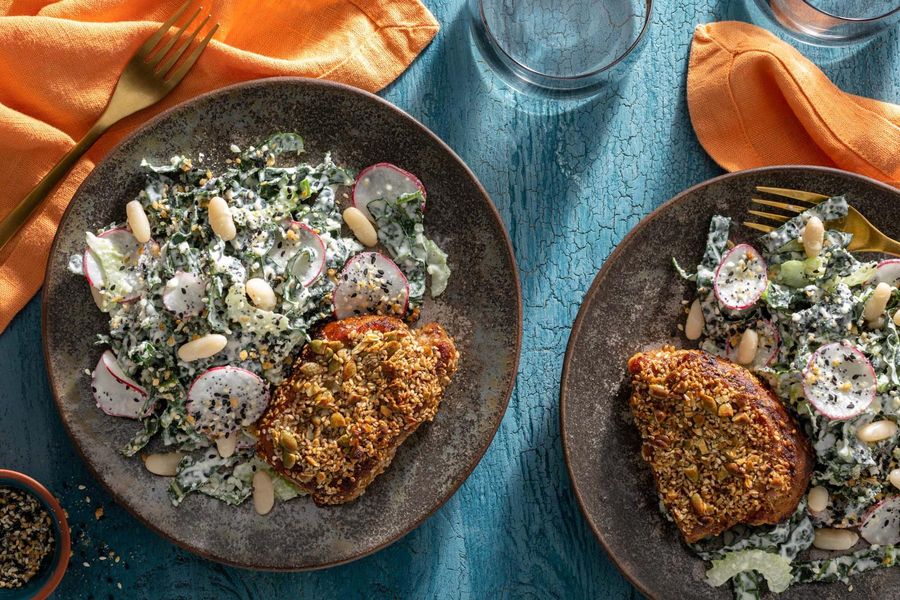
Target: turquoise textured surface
570,179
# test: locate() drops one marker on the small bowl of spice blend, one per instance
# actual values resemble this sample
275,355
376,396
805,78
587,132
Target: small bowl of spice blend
34,539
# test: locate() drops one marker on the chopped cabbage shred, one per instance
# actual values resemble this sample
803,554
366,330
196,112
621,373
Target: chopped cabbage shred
810,302
775,568
268,189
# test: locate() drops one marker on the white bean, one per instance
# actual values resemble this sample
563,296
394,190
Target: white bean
202,347
361,227
220,218
877,302
834,539
137,221
817,499
693,327
261,293
813,237
877,431
165,465
263,493
227,444
894,478
897,318
746,351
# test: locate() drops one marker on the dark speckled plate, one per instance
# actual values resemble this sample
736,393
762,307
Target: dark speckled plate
481,308
635,303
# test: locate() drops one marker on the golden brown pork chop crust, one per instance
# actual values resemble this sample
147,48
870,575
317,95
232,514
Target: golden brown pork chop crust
356,393
722,447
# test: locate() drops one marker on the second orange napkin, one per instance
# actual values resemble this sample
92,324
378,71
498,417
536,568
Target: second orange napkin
59,62
755,101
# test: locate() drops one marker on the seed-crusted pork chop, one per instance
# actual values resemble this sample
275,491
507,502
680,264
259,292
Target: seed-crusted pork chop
722,447
356,393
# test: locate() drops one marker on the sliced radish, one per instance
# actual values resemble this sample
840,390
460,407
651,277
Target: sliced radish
740,278
769,343
371,283
839,380
221,400
117,394
888,271
183,294
304,256
881,524
383,181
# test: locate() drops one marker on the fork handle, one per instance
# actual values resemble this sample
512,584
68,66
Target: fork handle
884,245
16,219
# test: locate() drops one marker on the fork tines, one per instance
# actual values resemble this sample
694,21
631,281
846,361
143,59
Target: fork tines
162,59
808,197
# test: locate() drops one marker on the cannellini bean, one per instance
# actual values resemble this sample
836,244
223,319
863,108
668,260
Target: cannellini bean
877,302
137,221
261,293
693,327
202,347
165,465
361,227
227,444
897,318
263,493
817,499
746,351
813,237
834,539
877,431
220,218
894,478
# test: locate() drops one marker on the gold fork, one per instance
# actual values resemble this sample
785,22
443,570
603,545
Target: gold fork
866,237
148,78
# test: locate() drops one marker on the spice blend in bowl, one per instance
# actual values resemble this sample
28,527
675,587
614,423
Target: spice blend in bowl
26,537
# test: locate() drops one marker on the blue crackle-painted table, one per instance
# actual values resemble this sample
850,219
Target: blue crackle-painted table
570,181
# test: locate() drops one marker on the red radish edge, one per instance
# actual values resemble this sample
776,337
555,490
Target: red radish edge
121,376
113,370
868,364
402,274
889,264
719,268
387,165
318,238
220,368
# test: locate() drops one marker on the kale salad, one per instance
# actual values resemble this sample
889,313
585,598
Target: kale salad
822,328
215,282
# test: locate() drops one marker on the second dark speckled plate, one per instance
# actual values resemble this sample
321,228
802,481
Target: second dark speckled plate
635,303
481,308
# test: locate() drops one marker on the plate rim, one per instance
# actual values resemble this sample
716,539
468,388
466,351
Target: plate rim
507,245
587,300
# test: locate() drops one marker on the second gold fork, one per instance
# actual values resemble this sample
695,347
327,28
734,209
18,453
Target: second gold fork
866,237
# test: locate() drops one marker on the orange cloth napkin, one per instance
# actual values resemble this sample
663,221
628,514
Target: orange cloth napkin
59,61
755,100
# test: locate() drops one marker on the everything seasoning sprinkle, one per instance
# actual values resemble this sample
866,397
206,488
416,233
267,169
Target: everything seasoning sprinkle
26,537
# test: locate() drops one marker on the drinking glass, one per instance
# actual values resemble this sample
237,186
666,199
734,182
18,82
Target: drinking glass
560,48
831,22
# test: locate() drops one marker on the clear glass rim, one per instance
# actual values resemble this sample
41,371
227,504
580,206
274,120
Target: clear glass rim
824,12
578,76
